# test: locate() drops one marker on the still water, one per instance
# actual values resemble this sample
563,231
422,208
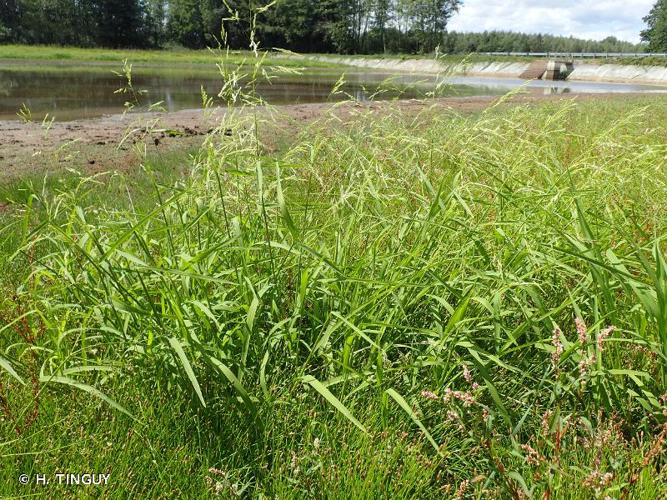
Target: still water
69,92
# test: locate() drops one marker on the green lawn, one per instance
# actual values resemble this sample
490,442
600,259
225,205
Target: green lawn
390,307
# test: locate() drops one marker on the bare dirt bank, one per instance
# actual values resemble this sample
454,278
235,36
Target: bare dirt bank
106,144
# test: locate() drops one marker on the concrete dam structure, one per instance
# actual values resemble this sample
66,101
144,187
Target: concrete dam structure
548,70
573,71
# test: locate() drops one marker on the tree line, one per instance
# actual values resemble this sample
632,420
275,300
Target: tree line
335,26
508,41
345,26
655,33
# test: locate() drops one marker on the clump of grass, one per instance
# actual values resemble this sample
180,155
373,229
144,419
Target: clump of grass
458,276
468,306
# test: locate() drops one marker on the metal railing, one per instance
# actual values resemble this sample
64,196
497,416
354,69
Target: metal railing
579,55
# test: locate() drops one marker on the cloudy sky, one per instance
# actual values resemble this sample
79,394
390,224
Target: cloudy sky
583,18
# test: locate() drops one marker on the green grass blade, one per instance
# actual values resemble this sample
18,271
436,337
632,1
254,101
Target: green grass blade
335,402
6,365
407,409
178,348
85,388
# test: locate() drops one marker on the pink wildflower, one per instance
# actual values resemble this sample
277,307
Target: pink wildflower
603,335
429,395
598,481
465,397
585,364
558,345
466,374
462,489
468,378
217,472
582,331
532,455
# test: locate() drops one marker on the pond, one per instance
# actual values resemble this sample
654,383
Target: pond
71,91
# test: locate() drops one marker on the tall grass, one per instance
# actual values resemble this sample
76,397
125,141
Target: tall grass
405,305
428,268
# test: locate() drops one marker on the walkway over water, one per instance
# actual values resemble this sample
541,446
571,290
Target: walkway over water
580,55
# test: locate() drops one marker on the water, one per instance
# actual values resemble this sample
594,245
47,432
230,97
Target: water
69,92
504,85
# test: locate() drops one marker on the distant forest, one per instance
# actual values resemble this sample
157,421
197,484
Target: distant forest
333,26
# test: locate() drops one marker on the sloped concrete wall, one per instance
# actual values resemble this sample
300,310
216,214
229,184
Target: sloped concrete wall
582,71
618,73
429,66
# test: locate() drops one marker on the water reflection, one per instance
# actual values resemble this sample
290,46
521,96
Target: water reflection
557,90
74,92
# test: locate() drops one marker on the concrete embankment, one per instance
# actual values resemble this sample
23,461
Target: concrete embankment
430,66
619,73
582,71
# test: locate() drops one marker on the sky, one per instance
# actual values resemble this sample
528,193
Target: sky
583,19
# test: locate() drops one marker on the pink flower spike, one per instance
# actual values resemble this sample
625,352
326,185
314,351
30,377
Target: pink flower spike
585,364
429,395
603,335
582,330
558,345
466,374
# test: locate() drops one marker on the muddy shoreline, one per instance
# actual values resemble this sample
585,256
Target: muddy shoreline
104,144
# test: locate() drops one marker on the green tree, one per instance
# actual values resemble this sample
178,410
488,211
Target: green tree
656,27
121,23
156,18
382,18
186,25
62,22
294,24
344,26
9,20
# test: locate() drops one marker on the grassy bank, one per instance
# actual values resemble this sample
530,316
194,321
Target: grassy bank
387,307
55,54
70,55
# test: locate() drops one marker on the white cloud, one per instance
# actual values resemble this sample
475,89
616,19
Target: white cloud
584,19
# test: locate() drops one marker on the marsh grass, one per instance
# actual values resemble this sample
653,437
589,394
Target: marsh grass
387,282
389,305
